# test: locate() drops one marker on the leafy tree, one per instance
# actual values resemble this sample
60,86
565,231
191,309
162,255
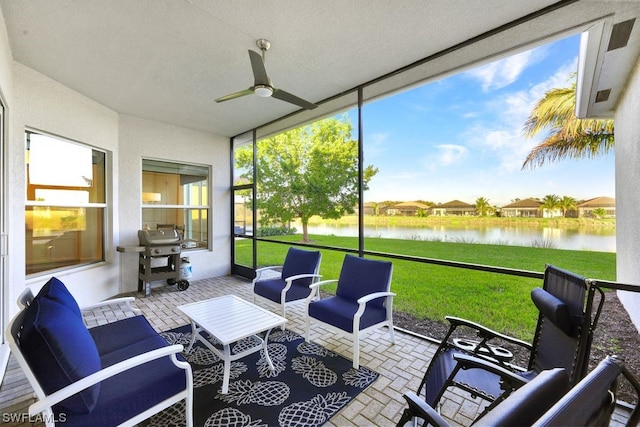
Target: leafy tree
483,207
599,212
567,203
569,136
311,170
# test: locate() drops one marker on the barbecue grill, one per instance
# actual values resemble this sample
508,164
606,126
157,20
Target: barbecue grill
159,244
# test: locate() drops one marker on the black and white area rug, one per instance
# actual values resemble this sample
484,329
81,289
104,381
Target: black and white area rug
308,386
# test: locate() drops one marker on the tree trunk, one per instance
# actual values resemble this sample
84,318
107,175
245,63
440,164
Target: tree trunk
305,230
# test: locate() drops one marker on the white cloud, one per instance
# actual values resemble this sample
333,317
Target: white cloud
503,72
451,153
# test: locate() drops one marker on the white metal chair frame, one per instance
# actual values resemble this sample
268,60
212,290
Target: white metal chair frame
357,332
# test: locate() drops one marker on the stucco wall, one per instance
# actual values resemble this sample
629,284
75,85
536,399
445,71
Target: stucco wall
143,138
627,151
43,104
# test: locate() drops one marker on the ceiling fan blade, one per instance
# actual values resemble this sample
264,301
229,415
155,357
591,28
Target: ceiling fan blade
259,70
288,97
235,95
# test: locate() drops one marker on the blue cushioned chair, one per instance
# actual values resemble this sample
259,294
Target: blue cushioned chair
120,373
300,269
362,301
566,322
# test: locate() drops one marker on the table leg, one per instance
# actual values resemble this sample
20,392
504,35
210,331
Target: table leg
227,369
266,351
194,334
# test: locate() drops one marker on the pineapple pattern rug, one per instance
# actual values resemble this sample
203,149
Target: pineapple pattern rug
308,386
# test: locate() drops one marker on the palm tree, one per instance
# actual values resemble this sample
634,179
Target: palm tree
569,136
482,206
550,202
567,203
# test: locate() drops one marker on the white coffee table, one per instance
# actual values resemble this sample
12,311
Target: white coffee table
229,319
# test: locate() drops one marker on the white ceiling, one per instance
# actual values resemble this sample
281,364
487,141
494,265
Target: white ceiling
168,60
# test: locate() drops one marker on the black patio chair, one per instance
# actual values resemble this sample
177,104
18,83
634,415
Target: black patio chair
546,401
562,338
592,401
522,408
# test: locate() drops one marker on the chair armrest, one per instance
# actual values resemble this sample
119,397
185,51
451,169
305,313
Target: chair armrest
289,280
315,289
485,332
420,409
259,271
115,301
365,299
470,362
271,267
321,283
103,374
301,276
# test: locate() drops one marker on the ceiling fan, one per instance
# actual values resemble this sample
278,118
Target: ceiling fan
262,85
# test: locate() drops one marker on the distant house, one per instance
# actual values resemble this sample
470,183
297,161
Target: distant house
373,208
407,208
526,208
608,204
454,207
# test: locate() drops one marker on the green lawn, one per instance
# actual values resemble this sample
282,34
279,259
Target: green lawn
430,291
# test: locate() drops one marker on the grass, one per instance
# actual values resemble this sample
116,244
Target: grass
429,291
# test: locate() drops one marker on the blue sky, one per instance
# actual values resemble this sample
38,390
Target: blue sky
462,137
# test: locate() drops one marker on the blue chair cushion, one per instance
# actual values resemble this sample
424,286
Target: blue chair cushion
360,277
60,351
299,261
125,395
55,290
123,333
555,310
339,312
272,289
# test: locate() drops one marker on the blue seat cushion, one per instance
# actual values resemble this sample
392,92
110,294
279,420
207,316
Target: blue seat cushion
272,289
116,335
60,351
339,312
55,290
133,391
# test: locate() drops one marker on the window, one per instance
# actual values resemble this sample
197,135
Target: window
176,195
65,207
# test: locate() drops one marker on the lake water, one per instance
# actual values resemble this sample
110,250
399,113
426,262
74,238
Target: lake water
601,240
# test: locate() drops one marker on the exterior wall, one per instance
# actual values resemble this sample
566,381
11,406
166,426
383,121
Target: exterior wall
144,138
627,150
43,104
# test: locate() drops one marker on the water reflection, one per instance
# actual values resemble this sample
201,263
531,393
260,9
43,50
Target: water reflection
586,239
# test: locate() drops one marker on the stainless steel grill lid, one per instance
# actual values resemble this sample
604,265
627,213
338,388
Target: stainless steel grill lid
158,237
